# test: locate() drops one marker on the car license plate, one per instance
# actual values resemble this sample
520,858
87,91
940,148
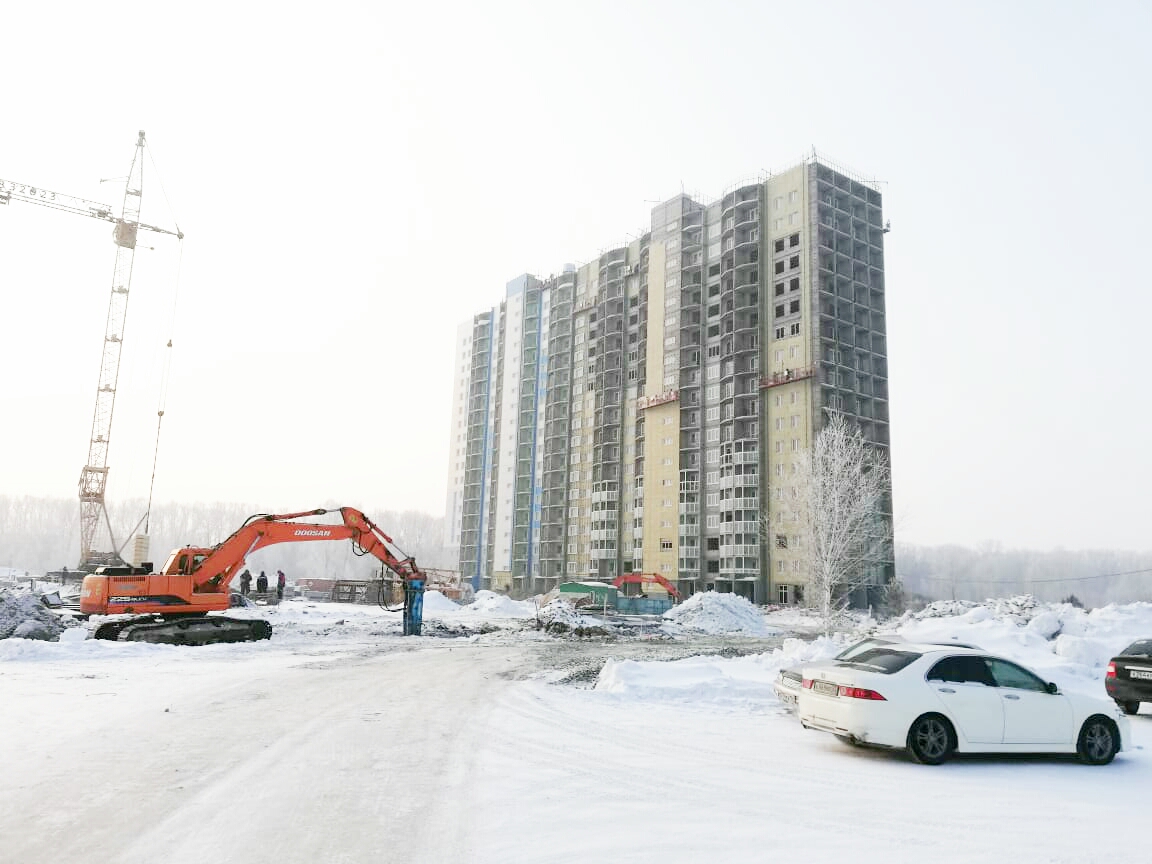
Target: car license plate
824,688
1133,673
787,698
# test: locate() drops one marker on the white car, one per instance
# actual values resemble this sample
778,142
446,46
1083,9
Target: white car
788,680
938,700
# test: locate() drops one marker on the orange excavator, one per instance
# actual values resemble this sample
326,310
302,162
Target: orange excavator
172,606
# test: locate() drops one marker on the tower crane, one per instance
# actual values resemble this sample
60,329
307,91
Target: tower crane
94,474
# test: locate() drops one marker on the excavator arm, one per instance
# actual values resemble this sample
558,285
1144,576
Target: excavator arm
214,572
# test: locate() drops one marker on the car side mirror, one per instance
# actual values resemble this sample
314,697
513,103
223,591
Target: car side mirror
1052,688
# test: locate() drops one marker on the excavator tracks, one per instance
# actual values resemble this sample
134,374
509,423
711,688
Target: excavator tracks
199,630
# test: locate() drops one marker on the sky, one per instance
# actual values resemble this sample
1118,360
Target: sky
354,182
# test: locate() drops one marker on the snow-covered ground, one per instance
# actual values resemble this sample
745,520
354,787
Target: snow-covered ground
339,740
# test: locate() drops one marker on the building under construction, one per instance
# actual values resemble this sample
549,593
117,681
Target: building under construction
644,411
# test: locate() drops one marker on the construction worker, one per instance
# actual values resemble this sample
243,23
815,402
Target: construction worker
245,582
280,582
261,583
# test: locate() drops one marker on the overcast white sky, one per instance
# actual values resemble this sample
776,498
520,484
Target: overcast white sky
354,179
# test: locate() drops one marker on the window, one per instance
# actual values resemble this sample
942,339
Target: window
712,436
778,202
781,541
667,421
779,289
1007,674
779,310
794,217
713,520
779,264
713,392
665,544
712,457
712,478
793,262
962,670
783,594
795,444
667,441
792,352
713,350
712,414
779,446
795,328
794,285
667,460
780,245
795,420
792,398
793,196
779,332
794,240
712,499
666,482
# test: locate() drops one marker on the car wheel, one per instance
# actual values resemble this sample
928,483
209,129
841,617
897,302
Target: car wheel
931,740
846,739
1098,742
1129,707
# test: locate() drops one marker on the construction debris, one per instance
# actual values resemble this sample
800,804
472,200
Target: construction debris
24,616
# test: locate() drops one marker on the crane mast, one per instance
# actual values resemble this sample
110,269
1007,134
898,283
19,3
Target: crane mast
94,475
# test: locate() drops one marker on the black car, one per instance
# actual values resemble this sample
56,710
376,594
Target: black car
1129,676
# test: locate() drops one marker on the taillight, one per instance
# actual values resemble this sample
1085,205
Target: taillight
806,683
860,693
1111,673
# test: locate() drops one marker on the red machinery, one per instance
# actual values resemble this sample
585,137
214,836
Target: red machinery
172,605
646,579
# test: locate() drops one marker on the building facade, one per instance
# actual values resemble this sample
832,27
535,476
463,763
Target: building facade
643,412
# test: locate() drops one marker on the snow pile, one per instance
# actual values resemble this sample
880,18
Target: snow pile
718,614
23,616
560,616
740,682
1021,609
436,603
501,606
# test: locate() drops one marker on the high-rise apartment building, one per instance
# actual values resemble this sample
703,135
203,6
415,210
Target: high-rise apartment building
644,412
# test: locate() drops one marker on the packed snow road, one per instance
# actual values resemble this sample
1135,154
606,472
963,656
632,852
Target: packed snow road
339,741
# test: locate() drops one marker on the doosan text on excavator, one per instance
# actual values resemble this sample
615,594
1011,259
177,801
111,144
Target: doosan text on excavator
173,605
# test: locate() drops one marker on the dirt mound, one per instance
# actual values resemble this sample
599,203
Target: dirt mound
23,616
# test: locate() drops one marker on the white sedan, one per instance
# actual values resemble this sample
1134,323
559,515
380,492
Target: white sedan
938,700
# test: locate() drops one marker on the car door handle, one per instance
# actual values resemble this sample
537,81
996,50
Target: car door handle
945,689
1011,696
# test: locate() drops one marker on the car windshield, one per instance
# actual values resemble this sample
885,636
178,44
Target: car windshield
859,648
1142,648
883,660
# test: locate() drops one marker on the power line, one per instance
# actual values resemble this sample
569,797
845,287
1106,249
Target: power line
1031,581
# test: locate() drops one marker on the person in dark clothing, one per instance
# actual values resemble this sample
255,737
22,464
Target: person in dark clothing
280,582
245,582
261,583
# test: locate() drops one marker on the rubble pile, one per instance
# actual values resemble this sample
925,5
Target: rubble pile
560,616
23,616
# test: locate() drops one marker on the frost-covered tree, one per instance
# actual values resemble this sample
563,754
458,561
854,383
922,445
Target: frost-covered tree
837,511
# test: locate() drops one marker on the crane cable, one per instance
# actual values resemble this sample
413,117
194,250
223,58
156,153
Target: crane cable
164,381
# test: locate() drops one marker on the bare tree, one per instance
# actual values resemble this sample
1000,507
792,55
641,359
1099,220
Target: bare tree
836,511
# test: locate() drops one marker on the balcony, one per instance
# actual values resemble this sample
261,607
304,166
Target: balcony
730,504
735,481
739,528
741,551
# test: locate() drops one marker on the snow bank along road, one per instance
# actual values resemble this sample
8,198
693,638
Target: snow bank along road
366,747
